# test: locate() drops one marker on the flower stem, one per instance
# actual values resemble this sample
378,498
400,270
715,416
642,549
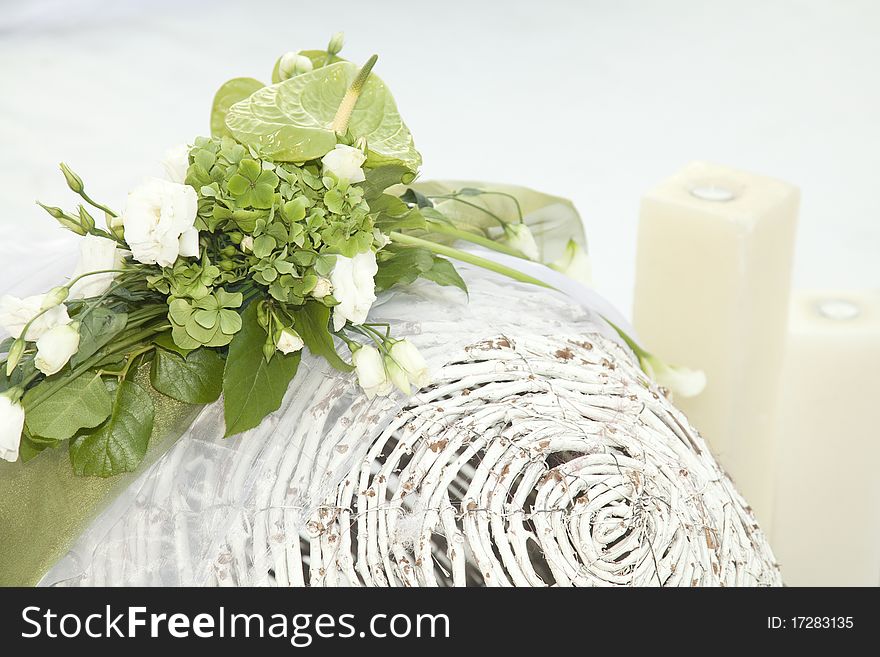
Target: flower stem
346,107
467,236
470,258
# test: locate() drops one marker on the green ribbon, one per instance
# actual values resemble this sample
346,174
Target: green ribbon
44,506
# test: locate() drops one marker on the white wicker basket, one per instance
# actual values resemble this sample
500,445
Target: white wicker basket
537,457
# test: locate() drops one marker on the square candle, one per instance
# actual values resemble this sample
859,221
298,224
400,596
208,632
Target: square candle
826,520
713,277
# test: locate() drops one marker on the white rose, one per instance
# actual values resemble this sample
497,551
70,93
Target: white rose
322,288
11,425
55,347
411,361
519,237
15,313
176,163
371,373
354,288
680,380
95,253
158,221
575,263
289,341
345,163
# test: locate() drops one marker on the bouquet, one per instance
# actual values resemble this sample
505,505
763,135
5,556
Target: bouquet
271,236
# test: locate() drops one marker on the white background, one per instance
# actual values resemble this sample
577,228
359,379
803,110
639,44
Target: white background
596,101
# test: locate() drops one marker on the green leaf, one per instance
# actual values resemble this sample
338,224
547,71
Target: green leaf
227,95
404,267
443,272
82,403
292,121
195,379
118,445
312,323
253,388
381,178
97,329
165,341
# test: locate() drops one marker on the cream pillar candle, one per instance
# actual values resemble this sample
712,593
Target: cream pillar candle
712,289
826,528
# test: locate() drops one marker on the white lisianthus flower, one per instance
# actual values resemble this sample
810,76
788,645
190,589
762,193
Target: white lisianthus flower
158,220
411,362
15,313
345,163
322,288
397,376
519,237
679,380
354,288
289,341
371,373
11,425
55,347
575,263
247,243
176,163
95,253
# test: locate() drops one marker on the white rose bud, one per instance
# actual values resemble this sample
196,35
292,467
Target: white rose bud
55,347
11,424
95,254
411,361
158,220
519,237
289,341
322,288
247,243
371,373
15,313
292,63
575,263
679,380
397,375
54,296
354,288
176,163
345,163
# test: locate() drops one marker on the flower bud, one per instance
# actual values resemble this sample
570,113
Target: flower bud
55,296
575,263
336,42
73,181
371,373
268,350
11,424
292,64
411,362
115,224
235,237
247,244
55,347
14,355
262,314
519,237
226,265
397,375
679,380
288,341
70,223
228,251
85,219
322,288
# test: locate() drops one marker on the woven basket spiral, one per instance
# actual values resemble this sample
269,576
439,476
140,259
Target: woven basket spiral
530,461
